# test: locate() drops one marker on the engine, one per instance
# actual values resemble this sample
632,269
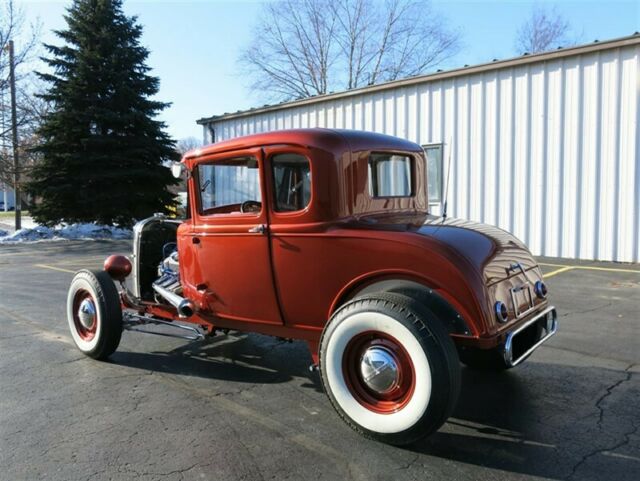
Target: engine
156,267
153,239
169,270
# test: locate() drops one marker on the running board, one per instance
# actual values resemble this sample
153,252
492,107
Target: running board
131,322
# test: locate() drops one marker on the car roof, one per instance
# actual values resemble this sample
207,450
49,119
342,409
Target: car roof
325,139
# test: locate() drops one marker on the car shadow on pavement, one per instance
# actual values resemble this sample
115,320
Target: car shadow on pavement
237,357
541,419
516,422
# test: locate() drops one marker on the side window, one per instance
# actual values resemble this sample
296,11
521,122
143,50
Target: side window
434,171
230,186
390,175
292,182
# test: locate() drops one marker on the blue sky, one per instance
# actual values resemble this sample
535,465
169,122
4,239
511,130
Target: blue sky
194,44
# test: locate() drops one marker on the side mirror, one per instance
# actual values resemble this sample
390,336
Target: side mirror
176,169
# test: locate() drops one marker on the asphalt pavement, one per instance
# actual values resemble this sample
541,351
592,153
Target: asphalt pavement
245,407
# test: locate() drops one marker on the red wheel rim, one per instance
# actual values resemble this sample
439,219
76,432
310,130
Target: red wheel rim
85,320
399,387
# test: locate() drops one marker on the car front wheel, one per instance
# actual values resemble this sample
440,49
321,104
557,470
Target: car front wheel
94,313
389,368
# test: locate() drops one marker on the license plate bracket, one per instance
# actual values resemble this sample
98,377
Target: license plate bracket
522,299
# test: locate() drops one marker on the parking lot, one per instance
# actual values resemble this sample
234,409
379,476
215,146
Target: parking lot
246,407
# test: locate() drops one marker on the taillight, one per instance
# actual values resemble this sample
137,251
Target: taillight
501,311
540,288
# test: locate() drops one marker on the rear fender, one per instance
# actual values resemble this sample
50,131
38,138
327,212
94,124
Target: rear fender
452,320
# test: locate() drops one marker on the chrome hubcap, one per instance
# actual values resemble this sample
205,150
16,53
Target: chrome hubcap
379,369
87,313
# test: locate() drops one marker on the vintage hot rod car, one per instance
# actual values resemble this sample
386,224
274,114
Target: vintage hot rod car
325,236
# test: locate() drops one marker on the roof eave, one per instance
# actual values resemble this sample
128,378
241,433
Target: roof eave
432,77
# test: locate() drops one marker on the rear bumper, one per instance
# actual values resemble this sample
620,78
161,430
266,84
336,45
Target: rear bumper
522,341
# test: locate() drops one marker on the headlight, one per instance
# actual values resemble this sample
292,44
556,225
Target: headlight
501,311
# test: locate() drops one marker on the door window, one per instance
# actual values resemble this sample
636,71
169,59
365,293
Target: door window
230,186
292,182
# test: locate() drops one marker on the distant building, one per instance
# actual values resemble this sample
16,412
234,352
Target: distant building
6,198
546,146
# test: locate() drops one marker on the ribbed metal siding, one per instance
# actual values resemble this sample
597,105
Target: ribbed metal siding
548,151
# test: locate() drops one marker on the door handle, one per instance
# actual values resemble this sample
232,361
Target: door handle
259,229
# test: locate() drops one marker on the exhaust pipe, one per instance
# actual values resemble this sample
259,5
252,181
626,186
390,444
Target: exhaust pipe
186,307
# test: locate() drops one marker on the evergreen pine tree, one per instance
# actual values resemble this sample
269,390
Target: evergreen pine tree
102,148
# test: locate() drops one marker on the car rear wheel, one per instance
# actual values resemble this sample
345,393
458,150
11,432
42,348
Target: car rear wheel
94,313
389,368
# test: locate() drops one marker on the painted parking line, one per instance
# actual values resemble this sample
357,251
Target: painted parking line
82,262
558,271
565,267
53,268
550,274
607,269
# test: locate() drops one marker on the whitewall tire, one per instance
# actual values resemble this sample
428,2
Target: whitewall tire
94,313
389,368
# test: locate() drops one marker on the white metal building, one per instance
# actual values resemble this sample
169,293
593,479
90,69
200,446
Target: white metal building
6,198
546,146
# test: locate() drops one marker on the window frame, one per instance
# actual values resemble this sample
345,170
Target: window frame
297,216
440,146
221,161
274,193
412,181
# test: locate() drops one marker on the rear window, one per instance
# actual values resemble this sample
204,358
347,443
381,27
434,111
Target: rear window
390,175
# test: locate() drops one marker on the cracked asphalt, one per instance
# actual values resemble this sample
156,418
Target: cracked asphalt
246,407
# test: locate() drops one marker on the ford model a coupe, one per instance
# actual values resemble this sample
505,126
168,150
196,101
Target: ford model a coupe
325,236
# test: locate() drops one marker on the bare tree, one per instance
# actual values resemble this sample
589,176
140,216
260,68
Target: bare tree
30,108
545,29
310,47
188,143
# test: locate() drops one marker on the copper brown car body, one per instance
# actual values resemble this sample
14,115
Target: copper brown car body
289,272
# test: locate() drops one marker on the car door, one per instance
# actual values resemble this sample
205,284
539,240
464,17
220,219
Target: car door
229,246
298,250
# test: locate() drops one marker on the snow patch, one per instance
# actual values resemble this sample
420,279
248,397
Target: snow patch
66,232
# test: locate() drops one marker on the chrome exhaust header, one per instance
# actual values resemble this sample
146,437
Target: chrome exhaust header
186,307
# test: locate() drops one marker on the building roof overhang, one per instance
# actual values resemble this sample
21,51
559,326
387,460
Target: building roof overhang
437,76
